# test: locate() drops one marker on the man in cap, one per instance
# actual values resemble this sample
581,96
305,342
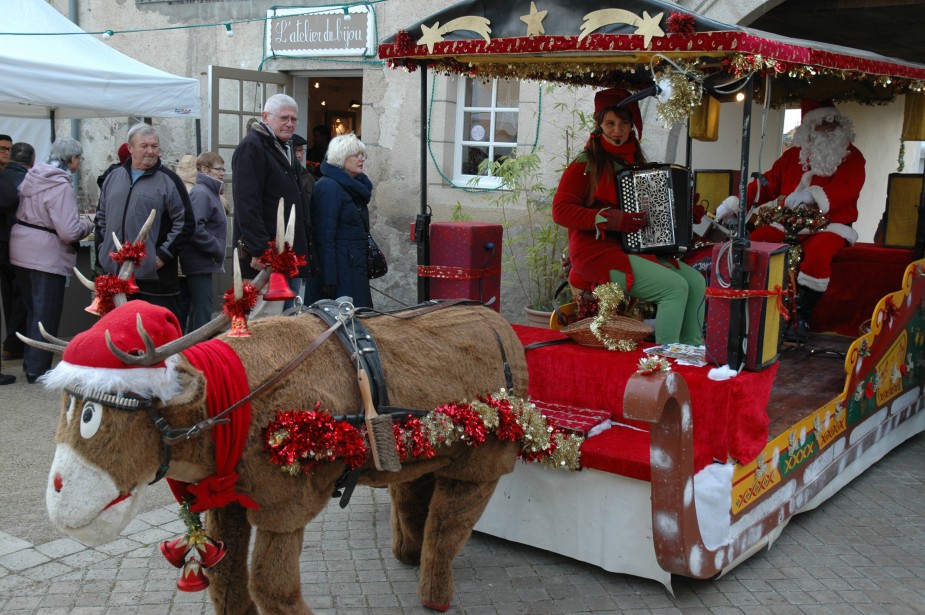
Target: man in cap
822,171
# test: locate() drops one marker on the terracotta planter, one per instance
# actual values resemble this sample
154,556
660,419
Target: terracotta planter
538,318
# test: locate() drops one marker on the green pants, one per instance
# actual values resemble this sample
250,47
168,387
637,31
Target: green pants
678,295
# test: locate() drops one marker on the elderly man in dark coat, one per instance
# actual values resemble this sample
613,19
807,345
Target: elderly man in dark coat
264,170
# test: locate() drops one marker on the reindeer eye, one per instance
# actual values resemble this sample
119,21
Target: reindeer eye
90,419
69,415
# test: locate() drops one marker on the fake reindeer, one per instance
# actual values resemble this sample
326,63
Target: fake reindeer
136,406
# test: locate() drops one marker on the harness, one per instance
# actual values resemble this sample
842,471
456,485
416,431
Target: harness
357,341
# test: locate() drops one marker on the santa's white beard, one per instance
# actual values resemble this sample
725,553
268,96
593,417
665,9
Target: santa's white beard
824,151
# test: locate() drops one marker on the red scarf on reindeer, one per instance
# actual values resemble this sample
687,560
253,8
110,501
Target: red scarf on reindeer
226,384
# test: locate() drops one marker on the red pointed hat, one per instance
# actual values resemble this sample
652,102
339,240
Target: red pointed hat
812,110
124,154
611,98
88,363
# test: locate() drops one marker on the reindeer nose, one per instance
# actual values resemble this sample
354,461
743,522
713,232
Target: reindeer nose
59,482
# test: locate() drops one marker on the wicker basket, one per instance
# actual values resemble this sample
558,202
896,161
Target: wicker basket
616,328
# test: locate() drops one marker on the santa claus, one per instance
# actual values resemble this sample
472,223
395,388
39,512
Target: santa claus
825,171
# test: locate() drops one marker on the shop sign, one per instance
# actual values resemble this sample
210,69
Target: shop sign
347,30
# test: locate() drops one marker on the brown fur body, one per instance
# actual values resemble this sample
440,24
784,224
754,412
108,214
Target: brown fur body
444,356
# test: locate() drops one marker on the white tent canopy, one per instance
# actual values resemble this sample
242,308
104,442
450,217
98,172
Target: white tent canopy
48,64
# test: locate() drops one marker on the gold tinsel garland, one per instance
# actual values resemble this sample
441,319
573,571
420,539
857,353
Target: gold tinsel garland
685,92
611,301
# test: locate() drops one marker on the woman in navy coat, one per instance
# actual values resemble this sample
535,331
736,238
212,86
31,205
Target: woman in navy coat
340,221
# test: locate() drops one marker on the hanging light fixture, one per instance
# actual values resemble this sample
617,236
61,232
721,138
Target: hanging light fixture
355,104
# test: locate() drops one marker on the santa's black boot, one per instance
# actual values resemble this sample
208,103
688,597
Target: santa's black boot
806,301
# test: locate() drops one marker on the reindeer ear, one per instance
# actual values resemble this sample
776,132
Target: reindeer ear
192,385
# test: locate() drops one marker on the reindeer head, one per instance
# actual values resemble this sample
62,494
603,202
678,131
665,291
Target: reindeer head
120,383
108,447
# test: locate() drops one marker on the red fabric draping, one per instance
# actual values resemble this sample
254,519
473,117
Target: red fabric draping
730,418
226,384
862,274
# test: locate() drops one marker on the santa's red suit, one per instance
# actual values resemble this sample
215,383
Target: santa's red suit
835,195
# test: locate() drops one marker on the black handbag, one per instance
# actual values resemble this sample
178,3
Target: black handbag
376,267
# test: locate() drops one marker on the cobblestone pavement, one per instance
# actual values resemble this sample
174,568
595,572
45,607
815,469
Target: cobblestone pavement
860,552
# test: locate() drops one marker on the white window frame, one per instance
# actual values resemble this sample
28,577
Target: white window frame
461,140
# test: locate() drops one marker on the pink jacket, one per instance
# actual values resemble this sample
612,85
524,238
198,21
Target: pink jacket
47,200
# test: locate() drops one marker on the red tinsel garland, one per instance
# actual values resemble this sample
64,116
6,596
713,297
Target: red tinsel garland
299,441
240,308
681,23
286,262
108,286
130,252
403,42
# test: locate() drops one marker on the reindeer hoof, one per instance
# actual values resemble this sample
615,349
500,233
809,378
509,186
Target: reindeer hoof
436,607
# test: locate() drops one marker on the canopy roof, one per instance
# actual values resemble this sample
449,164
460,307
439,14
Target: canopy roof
48,64
577,42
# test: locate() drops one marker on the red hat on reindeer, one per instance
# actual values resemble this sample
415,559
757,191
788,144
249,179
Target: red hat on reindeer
89,364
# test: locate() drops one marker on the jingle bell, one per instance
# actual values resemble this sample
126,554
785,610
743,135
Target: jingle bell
211,552
192,579
278,288
94,307
175,550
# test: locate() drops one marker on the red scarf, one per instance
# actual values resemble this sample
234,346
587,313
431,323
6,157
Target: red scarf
626,151
226,383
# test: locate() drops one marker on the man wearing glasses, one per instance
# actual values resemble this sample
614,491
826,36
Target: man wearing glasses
264,169
6,143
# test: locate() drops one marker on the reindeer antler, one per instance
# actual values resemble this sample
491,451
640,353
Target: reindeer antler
128,266
56,346
153,356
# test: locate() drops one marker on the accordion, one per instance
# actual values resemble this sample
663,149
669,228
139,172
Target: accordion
663,193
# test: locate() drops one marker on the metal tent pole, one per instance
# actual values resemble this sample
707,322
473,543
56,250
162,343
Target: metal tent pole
738,275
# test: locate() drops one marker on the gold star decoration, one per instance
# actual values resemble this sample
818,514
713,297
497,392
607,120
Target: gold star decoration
434,34
534,21
646,25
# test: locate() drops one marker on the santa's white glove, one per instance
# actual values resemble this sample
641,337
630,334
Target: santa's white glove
728,209
800,197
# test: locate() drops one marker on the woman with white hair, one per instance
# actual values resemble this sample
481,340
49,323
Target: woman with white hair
340,221
43,245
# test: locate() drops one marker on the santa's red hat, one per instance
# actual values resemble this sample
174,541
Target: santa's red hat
814,110
89,364
611,98
124,154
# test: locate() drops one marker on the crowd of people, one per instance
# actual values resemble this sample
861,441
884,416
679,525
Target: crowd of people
41,225
327,191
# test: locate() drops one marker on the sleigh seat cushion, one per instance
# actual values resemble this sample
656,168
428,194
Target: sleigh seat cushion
729,417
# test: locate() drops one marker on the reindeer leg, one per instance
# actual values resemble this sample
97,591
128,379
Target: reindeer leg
410,503
454,510
275,580
228,578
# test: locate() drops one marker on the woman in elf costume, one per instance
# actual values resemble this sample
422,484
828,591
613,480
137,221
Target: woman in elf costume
586,204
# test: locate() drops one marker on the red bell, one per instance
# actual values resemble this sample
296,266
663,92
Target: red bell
175,550
94,308
192,579
239,327
278,289
211,552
